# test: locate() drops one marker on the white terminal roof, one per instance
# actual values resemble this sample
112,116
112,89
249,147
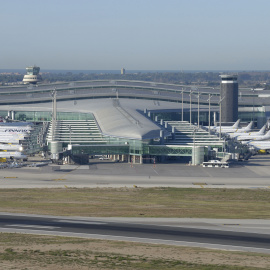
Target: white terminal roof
119,118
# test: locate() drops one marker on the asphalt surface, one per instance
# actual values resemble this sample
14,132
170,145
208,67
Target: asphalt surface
250,174
197,232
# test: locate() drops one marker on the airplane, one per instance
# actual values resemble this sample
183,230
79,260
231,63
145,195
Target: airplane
238,134
254,137
234,126
259,145
12,138
7,146
16,127
238,130
15,155
14,134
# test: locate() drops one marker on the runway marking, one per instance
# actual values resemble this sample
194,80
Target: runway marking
81,222
33,226
147,240
62,179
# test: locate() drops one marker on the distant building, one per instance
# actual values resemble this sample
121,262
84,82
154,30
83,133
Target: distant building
123,71
32,75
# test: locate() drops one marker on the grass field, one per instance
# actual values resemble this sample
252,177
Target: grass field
19,251
26,252
138,202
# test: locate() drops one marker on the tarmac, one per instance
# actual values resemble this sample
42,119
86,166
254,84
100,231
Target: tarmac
254,173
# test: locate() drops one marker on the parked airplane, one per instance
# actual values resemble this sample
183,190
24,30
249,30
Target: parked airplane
15,155
14,133
234,126
7,146
259,145
238,134
12,138
254,137
16,127
248,128
231,132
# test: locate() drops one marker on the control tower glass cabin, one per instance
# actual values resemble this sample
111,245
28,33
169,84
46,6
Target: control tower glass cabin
32,75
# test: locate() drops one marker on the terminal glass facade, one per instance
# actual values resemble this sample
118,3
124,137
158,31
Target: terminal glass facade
39,116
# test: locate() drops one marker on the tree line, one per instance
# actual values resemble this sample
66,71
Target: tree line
212,79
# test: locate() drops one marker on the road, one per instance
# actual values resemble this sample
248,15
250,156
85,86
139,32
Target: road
250,235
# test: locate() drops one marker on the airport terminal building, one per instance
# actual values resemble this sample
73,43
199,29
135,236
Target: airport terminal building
129,121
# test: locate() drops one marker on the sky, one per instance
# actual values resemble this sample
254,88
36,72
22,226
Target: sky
135,34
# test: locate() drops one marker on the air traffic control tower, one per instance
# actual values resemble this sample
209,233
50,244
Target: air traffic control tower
229,98
32,75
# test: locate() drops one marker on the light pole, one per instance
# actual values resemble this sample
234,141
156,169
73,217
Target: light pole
182,105
193,151
220,117
209,118
199,109
54,109
190,108
253,103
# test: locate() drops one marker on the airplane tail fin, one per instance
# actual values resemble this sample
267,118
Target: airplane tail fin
262,130
236,124
249,126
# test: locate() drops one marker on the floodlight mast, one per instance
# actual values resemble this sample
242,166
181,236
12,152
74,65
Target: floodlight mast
220,116
190,108
193,151
199,108
54,112
253,90
209,117
182,105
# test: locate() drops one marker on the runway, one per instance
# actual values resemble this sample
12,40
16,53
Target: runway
250,235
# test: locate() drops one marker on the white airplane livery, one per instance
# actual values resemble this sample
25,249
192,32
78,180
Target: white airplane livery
14,132
235,126
238,135
229,130
259,145
11,147
255,137
11,134
15,155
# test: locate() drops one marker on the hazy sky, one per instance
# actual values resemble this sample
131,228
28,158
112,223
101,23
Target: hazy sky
135,34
